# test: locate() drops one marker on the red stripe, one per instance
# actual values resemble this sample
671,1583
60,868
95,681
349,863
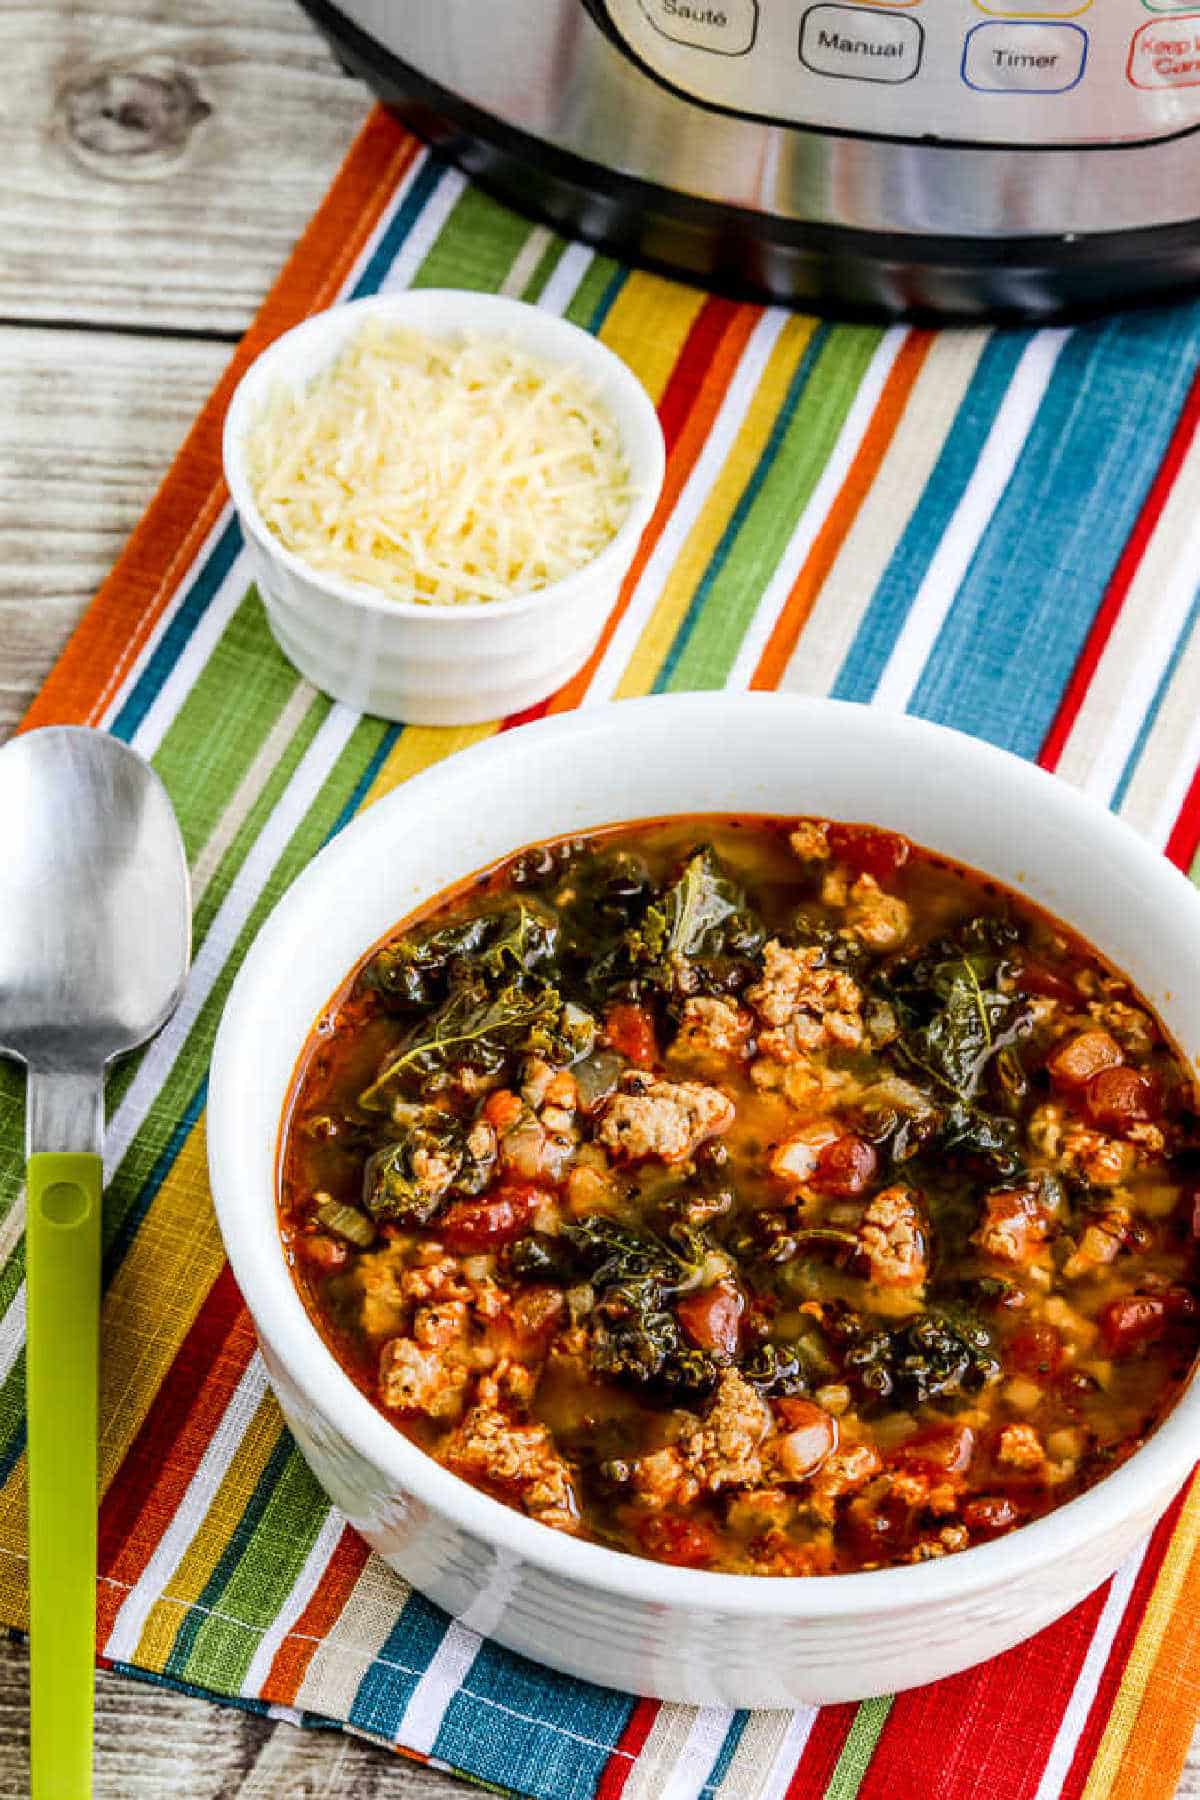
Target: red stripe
628,1748
1184,841
143,1461
1122,579
984,1734
826,1741
1118,1656
295,1653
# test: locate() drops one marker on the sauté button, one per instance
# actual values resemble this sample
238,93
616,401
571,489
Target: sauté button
1166,54
726,26
855,43
1024,59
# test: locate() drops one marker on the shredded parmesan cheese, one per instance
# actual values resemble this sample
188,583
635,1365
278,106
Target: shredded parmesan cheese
446,471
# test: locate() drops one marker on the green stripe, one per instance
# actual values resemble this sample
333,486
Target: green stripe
477,247
219,729
268,1564
591,290
795,467
550,258
12,1139
858,1749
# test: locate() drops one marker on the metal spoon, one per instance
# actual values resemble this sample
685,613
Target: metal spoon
95,930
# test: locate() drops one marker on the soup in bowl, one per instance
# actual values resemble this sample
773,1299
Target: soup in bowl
774,1210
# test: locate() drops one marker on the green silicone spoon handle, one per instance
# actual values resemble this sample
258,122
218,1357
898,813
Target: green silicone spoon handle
62,1358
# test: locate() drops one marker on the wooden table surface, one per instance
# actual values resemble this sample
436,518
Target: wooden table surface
160,162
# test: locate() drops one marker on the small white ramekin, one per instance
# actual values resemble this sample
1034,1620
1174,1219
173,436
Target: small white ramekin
441,665
685,1634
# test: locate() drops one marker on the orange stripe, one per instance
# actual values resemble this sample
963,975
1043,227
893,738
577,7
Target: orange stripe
166,1497
680,464
1170,1703
833,533
119,621
302,1642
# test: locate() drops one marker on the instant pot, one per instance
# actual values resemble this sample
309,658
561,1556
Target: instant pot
969,157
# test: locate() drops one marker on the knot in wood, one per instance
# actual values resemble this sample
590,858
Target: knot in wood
133,119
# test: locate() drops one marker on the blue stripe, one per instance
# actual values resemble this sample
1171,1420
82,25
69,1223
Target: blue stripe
388,1685
608,298
727,1752
127,1230
427,178
171,645
886,616
525,1728
363,784
1021,617
1160,694
741,511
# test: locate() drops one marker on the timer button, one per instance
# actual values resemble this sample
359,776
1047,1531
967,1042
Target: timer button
1166,53
855,43
726,26
1029,58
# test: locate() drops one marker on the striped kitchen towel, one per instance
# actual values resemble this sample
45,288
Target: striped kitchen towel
995,529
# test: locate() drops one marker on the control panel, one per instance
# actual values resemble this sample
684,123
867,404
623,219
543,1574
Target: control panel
1044,73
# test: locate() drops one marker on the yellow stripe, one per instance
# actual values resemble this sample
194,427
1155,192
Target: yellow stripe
213,1535
688,569
419,747
648,327
1163,1598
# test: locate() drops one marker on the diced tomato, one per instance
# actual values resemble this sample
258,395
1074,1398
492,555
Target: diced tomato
485,1224
1036,978
712,1318
1082,1058
868,851
878,1527
990,1514
1135,1319
688,1543
503,1108
1037,1351
629,1030
324,1253
846,1167
1119,1098
944,1449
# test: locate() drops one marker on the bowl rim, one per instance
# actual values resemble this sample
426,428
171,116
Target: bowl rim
580,347
1160,1464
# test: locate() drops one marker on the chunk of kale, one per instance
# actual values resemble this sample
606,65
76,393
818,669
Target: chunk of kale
409,1178
417,971
936,1356
478,1029
698,934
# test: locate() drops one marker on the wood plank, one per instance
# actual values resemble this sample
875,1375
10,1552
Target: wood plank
88,424
157,215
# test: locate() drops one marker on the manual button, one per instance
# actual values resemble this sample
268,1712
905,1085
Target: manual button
726,26
1024,59
860,45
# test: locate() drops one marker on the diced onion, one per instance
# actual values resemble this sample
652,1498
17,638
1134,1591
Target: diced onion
346,1222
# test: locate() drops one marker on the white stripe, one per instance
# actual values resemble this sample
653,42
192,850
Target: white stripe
936,594
690,505
201,1491
1176,790
564,283
161,712
303,1589
525,262
437,1687
426,230
812,519
699,1752
384,223
1087,1682
250,789
310,776
790,1751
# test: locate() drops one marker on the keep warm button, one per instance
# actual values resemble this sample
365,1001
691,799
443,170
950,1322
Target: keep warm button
1166,53
858,44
